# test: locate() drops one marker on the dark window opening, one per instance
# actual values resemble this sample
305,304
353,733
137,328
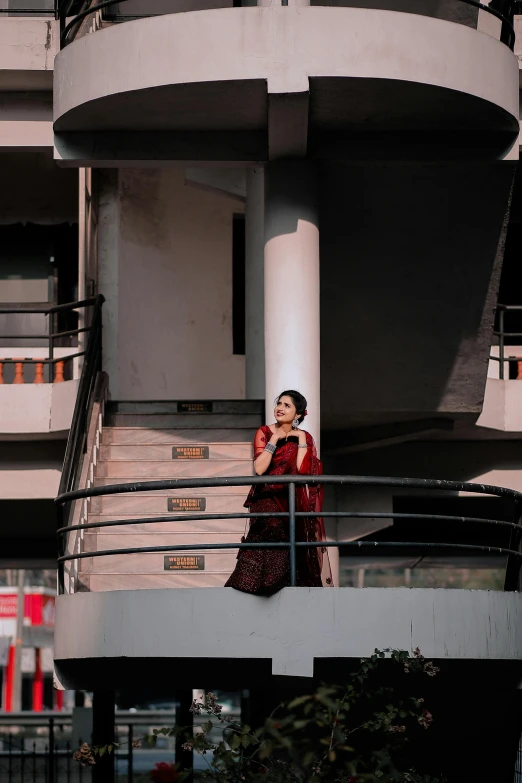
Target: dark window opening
238,284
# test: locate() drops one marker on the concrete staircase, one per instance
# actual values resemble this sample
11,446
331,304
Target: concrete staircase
149,440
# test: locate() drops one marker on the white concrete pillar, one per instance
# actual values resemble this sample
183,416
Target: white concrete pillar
255,285
292,351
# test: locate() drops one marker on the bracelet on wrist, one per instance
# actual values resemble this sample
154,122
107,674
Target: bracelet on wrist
303,446
270,448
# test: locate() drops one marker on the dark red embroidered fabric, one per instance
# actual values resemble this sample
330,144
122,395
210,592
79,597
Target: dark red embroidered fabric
265,571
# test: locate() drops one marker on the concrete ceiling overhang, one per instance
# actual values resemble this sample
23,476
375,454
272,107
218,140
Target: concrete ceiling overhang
260,83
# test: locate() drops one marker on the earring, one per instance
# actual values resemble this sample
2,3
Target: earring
295,423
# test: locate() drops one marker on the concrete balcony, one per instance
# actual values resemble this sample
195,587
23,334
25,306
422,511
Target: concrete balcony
103,637
502,409
253,84
28,46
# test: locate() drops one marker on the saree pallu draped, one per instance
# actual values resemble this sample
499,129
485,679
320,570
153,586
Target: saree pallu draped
265,571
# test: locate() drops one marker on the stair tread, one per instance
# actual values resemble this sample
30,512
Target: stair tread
205,407
171,469
184,421
169,579
100,481
136,447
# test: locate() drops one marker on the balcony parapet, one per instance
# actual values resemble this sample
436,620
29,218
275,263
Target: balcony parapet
291,629
251,84
28,46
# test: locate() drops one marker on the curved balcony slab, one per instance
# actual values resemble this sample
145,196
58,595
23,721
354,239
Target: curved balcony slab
257,83
289,631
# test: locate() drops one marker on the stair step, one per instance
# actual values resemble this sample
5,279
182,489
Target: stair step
200,491
143,505
215,562
160,451
162,421
234,528
188,407
143,469
132,436
96,542
99,583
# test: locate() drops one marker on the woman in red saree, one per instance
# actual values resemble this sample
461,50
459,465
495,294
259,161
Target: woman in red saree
283,449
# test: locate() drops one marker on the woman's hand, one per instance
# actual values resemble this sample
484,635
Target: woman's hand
280,434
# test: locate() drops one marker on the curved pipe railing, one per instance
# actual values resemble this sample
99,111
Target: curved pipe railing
63,8
51,336
84,400
510,552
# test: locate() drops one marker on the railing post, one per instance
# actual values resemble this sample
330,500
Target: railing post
58,372
19,371
61,549
51,347
512,580
52,777
501,343
291,531
184,718
130,768
38,373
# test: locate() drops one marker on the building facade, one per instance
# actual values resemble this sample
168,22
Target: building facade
206,203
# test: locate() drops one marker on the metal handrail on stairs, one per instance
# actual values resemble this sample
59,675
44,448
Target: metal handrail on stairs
76,441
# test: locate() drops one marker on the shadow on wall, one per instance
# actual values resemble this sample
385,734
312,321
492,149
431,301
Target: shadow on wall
410,265
449,10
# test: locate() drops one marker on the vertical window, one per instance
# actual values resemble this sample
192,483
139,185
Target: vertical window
238,284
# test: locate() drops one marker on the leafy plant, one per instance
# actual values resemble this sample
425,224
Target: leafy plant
352,733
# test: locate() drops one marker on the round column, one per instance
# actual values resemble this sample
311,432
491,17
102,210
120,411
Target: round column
254,285
292,325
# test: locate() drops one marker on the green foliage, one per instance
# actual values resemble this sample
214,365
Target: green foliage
354,733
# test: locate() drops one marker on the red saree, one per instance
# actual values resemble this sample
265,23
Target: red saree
265,571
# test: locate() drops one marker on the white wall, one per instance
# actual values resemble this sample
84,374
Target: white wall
37,409
167,277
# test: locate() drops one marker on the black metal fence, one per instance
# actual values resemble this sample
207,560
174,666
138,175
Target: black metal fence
39,747
491,546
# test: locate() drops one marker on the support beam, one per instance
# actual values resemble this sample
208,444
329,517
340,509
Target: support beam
254,285
103,709
288,125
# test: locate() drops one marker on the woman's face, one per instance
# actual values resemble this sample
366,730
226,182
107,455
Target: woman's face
285,410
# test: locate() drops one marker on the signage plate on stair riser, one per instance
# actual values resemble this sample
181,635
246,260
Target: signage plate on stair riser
186,504
184,563
195,407
190,452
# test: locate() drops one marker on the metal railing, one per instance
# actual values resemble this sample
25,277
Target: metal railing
511,530
51,336
503,10
28,9
38,747
84,401
502,335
